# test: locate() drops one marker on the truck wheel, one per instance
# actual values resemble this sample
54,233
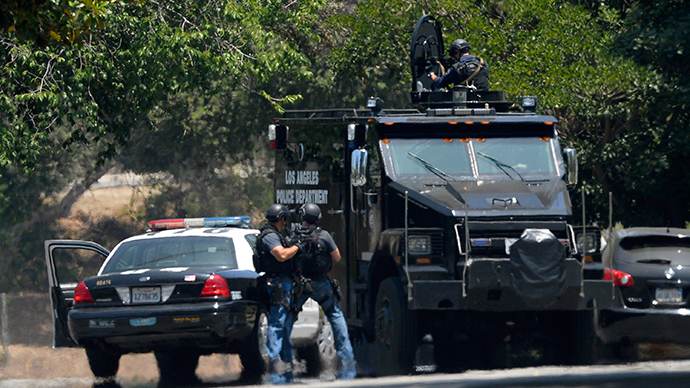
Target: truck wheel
104,362
394,346
321,356
177,367
589,349
253,355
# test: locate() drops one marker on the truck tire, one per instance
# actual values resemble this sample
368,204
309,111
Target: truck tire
321,356
104,362
253,354
177,367
589,349
395,327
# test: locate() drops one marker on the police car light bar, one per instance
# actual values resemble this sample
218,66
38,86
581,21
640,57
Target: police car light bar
208,222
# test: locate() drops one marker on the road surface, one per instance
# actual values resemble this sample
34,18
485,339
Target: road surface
648,374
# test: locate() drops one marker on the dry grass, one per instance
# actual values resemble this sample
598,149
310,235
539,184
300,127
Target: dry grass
31,362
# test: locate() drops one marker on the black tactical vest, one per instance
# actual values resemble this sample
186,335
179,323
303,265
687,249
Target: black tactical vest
264,261
465,71
314,259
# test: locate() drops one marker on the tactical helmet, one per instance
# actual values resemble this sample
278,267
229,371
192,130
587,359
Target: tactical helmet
277,211
310,212
461,45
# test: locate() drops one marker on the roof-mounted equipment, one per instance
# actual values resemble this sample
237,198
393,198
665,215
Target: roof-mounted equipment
208,222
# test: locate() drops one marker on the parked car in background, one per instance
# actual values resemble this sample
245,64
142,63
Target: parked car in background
185,288
650,268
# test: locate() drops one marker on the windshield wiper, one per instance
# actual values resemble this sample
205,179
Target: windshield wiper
433,169
501,165
655,261
439,173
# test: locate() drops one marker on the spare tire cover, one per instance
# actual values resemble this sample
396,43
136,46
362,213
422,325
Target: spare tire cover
537,267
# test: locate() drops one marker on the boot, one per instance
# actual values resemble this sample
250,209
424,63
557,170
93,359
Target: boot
281,372
348,371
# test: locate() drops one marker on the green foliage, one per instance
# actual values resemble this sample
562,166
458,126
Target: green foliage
66,109
185,89
54,22
104,88
626,113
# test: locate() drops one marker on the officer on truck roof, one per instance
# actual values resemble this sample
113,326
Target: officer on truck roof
469,70
315,261
275,255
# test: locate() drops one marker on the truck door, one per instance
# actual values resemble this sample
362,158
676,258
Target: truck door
69,262
312,169
365,211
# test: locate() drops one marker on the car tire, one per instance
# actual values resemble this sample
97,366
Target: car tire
321,356
104,361
177,367
395,327
253,355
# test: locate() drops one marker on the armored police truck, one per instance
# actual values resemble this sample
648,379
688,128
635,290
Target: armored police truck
453,223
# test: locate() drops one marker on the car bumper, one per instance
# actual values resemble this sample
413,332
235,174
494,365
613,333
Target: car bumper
654,326
145,328
490,288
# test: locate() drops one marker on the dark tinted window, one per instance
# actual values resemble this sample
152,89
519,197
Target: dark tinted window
639,242
189,251
251,239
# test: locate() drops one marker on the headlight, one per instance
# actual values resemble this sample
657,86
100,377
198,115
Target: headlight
419,244
589,240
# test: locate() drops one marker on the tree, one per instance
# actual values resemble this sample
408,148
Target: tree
626,114
55,22
104,88
81,105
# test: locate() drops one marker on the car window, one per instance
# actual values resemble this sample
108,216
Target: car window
74,265
642,242
523,155
187,251
251,239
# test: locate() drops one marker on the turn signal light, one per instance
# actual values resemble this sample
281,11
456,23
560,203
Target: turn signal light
620,278
215,286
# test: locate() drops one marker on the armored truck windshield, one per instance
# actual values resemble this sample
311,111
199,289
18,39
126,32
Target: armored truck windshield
472,159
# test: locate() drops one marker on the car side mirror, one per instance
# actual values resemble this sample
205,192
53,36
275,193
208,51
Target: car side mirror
358,172
570,157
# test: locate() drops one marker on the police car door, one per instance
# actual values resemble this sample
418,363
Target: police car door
69,262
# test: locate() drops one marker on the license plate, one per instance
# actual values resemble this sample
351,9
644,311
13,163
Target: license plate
669,295
142,295
101,324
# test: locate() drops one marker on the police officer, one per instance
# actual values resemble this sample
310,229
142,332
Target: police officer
316,261
468,70
276,255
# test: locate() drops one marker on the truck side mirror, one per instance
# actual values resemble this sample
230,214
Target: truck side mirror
277,135
571,165
358,172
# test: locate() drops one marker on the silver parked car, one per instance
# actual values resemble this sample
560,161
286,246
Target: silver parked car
650,268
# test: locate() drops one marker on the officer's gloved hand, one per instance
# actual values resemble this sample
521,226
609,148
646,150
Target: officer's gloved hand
300,246
292,240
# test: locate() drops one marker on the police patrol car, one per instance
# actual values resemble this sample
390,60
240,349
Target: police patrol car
185,288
